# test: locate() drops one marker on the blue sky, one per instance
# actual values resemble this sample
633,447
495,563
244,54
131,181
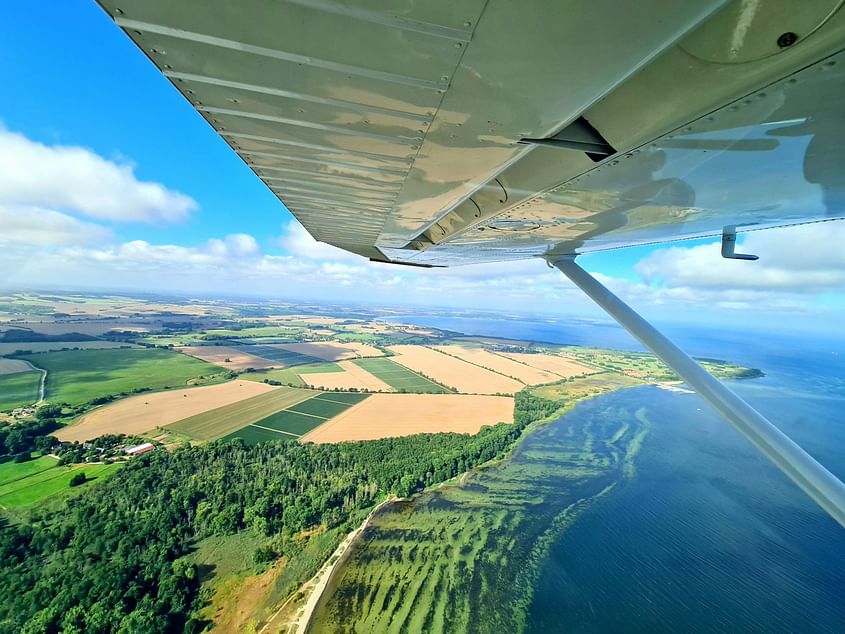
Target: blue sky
181,213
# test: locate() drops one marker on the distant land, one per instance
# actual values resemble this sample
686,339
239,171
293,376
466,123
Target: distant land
182,379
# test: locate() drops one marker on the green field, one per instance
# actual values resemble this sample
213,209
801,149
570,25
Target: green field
322,406
400,377
297,420
290,376
47,346
279,355
19,389
253,435
47,482
224,420
77,376
13,471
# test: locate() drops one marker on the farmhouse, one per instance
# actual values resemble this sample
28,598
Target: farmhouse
137,450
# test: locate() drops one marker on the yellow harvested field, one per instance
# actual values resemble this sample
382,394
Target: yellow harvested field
389,415
503,365
352,376
331,350
13,366
238,360
142,413
452,372
562,366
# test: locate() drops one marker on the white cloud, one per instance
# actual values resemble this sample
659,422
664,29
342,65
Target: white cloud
20,224
806,259
677,282
75,179
141,255
298,242
236,244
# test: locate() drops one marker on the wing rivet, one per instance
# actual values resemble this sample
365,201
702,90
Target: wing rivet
787,39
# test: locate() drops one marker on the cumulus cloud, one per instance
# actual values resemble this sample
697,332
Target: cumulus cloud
26,225
236,244
75,179
298,242
139,254
805,259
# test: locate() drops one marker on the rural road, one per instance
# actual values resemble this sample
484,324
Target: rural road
324,574
43,381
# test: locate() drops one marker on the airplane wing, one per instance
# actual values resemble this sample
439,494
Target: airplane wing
438,133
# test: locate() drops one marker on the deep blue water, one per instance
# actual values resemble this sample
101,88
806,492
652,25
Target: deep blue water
708,536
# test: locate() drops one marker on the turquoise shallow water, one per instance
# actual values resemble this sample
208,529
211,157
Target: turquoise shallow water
708,536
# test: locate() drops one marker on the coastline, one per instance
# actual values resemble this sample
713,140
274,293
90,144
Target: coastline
320,581
324,575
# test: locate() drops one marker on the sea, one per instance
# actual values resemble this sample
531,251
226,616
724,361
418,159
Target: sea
708,536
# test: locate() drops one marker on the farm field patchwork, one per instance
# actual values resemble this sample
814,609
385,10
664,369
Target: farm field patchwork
19,389
47,346
503,365
144,412
278,355
399,377
293,376
255,331
457,374
347,375
77,376
238,359
48,481
93,327
299,419
332,350
562,366
387,415
222,421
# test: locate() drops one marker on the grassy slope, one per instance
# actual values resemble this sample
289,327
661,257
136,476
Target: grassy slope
14,471
19,389
77,376
229,418
50,482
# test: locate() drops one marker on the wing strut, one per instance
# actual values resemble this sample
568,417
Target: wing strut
797,464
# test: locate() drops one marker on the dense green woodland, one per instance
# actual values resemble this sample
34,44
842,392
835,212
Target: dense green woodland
114,559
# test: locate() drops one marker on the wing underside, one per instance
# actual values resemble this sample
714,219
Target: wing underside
439,133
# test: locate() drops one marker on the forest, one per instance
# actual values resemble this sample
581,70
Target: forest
116,557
